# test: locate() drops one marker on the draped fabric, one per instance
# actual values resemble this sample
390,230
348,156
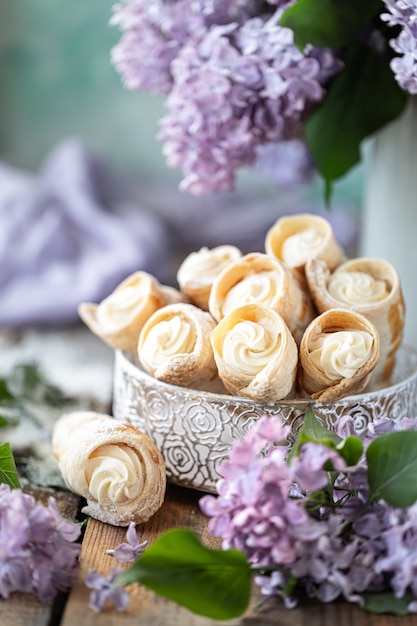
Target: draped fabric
71,232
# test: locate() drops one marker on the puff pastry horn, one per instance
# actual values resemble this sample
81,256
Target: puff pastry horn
371,287
295,239
198,270
112,464
174,346
338,353
261,279
118,319
256,354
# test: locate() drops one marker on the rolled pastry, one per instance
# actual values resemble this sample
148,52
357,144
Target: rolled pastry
256,354
295,239
371,287
261,279
174,346
118,319
198,270
338,352
112,464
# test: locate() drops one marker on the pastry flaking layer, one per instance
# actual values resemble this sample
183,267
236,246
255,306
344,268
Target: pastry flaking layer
295,239
256,354
118,319
338,353
174,346
112,464
258,278
199,269
371,287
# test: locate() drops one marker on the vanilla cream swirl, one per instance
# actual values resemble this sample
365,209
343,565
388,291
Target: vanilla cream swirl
114,474
248,347
356,288
115,310
340,354
298,248
255,288
205,265
166,338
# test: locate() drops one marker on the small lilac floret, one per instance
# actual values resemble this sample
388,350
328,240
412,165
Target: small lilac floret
104,588
129,550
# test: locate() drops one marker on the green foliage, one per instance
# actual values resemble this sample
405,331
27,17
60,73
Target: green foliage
28,383
361,100
329,23
7,401
386,602
8,473
392,468
214,583
313,430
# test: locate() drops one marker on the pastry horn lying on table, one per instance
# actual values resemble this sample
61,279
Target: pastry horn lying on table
112,464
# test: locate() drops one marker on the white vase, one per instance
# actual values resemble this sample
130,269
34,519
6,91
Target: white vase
389,227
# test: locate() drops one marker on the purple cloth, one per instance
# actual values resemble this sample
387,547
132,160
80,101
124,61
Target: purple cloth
60,245
74,231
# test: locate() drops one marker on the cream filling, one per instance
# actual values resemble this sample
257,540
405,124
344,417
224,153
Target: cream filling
114,474
204,266
356,288
119,307
255,288
168,338
249,347
339,355
299,248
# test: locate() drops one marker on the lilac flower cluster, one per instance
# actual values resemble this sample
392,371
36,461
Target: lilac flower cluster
403,13
233,78
346,546
37,550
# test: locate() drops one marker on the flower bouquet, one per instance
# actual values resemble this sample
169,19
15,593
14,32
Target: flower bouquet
336,517
248,82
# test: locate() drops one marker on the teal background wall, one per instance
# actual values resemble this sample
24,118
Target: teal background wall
57,81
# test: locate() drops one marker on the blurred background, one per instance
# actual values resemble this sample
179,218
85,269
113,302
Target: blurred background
76,146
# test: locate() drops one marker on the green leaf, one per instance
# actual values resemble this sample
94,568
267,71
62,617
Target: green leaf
28,383
3,421
8,473
313,430
387,603
330,23
351,450
363,98
392,468
214,583
5,394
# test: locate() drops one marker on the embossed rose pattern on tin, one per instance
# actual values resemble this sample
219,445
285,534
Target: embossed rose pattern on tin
194,429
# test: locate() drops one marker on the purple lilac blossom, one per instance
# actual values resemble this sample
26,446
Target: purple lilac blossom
403,13
129,550
104,588
233,78
37,550
345,547
154,33
235,89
